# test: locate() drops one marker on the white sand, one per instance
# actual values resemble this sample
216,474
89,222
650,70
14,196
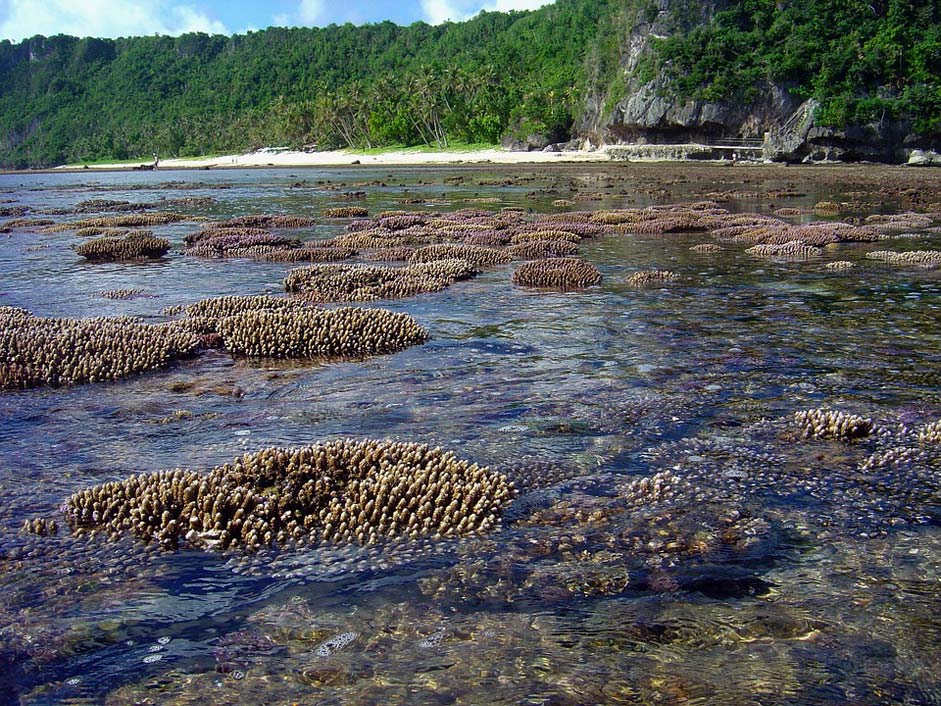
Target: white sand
344,157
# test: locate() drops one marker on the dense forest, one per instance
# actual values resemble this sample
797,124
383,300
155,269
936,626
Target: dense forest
66,99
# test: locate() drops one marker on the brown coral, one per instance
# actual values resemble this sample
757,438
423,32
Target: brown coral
793,250
831,424
307,333
336,491
369,283
136,246
36,351
927,259
562,273
346,212
645,278
541,249
479,256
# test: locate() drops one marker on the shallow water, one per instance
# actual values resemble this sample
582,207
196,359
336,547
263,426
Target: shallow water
775,572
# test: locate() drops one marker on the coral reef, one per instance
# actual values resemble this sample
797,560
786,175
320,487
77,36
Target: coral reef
930,433
265,221
477,255
648,277
541,249
308,333
134,220
831,424
927,259
827,208
109,232
840,265
546,235
346,212
560,273
337,491
400,254
36,351
707,248
894,224
122,293
203,316
22,223
308,252
235,242
793,250
369,283
136,246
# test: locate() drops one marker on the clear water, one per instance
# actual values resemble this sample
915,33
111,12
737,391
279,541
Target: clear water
783,573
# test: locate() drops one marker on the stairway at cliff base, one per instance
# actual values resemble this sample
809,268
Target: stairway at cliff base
793,132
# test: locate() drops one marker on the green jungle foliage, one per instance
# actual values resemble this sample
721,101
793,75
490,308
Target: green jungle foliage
865,60
65,99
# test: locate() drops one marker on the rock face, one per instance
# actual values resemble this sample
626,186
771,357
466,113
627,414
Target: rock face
648,113
924,158
641,110
650,116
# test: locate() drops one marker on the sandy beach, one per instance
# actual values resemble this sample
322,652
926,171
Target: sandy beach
335,158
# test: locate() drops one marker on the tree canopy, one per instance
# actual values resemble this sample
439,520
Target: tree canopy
66,99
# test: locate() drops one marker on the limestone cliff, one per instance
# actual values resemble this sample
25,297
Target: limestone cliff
634,103
637,107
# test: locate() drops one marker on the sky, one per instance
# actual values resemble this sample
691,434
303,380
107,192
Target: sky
20,19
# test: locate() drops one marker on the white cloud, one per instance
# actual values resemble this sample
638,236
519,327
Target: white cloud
188,19
438,11
104,18
311,11
507,5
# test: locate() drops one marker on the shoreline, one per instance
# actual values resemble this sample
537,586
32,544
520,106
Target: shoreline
346,158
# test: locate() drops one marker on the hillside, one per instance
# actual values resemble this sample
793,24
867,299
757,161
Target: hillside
605,70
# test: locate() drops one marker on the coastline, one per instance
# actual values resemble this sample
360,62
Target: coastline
341,158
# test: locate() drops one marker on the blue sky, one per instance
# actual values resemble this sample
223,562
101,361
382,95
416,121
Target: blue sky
20,19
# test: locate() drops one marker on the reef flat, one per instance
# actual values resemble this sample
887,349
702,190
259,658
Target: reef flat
651,434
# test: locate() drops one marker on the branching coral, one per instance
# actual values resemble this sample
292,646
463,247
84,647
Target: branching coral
36,351
794,250
541,249
134,220
346,212
338,491
308,252
645,278
136,246
560,273
368,283
839,265
930,433
308,333
265,221
545,235
479,256
927,259
831,424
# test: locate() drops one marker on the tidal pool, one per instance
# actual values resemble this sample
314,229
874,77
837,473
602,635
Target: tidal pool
677,537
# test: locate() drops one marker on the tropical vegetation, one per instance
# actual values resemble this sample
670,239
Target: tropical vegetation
498,75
